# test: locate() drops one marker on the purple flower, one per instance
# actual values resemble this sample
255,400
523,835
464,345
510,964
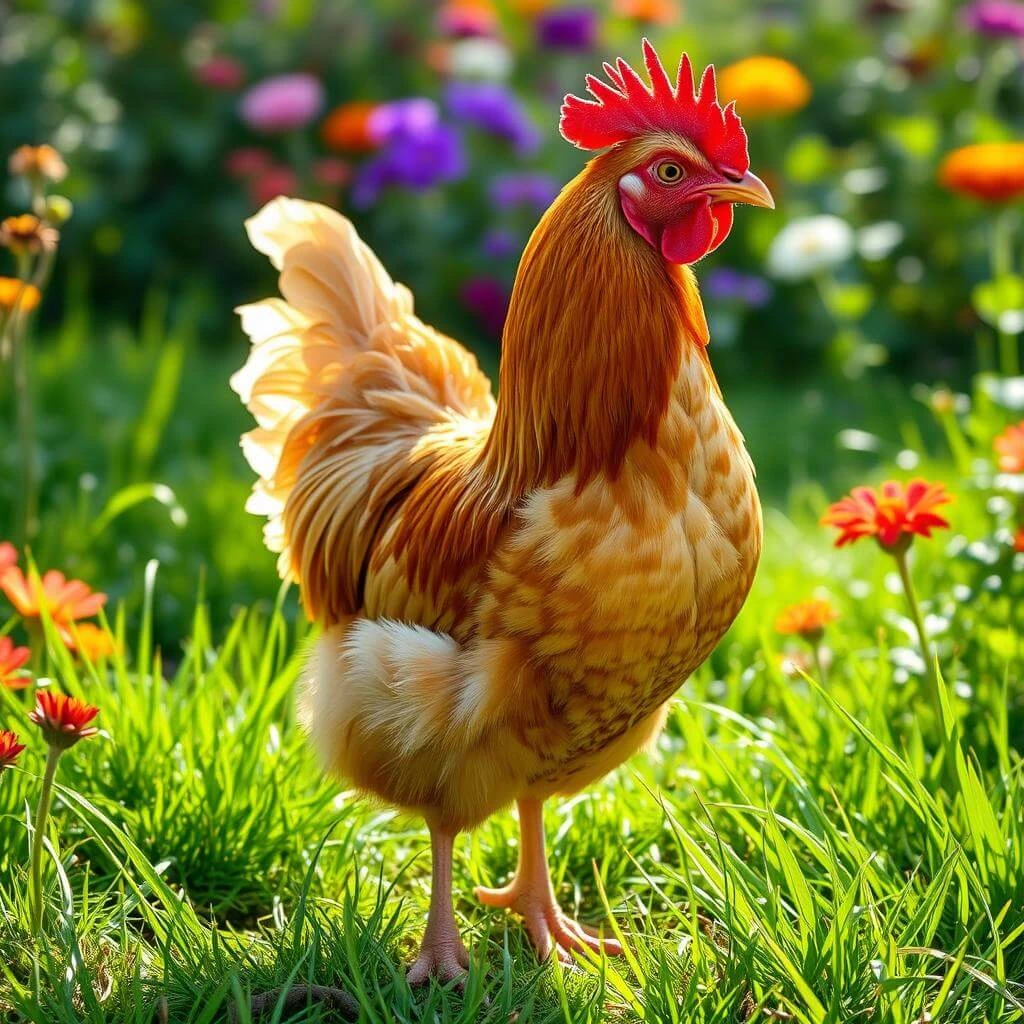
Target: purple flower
527,188
487,298
283,103
568,28
499,244
728,285
997,18
416,156
495,109
409,118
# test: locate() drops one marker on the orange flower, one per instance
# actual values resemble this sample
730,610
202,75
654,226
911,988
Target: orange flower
92,642
8,556
1009,446
10,748
11,660
806,618
63,719
652,12
38,162
993,171
27,233
892,514
348,127
531,8
1018,539
64,600
764,86
14,291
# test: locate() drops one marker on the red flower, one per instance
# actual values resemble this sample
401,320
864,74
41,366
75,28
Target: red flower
8,557
1018,539
11,660
329,170
247,161
64,600
64,720
221,72
892,514
273,182
10,748
1009,446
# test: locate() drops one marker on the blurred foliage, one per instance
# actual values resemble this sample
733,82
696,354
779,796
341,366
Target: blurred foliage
137,428
117,85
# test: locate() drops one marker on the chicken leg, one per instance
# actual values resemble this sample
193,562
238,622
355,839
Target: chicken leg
531,895
442,954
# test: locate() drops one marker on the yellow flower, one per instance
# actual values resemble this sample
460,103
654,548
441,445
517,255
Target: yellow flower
38,162
10,290
993,171
764,86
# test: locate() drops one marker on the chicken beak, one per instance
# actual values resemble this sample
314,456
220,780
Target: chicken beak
749,189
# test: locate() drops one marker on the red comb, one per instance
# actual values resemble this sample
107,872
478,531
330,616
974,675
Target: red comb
628,107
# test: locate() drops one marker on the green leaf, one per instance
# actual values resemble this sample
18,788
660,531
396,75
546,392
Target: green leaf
134,494
1000,302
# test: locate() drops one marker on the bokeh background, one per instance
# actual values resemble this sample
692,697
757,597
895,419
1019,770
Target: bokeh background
433,125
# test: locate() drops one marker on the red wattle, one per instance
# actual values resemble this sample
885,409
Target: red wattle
722,212
688,238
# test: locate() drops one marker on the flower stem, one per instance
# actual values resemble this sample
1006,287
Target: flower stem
39,830
819,662
926,648
26,434
1002,266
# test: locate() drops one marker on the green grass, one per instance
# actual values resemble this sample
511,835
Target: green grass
791,851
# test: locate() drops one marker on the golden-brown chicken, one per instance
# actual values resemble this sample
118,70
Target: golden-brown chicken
511,591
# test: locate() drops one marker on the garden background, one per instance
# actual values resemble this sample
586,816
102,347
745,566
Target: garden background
819,848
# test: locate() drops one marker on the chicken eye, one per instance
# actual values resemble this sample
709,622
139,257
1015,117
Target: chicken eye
669,172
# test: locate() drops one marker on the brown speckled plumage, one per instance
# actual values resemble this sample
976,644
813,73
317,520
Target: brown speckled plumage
511,591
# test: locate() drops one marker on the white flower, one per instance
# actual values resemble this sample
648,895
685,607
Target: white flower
877,241
488,59
805,247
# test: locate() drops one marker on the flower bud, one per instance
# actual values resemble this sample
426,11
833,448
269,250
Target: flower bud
58,210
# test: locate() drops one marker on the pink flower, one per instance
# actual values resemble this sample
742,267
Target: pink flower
246,161
273,182
221,72
282,103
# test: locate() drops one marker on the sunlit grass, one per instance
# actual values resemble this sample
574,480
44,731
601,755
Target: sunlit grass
791,850
787,850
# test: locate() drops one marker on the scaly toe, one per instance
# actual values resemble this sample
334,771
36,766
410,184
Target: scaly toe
573,935
445,963
504,897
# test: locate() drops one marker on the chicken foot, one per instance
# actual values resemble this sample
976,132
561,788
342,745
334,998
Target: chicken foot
531,895
442,954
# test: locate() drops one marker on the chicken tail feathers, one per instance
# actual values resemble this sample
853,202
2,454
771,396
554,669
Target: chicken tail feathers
400,711
344,382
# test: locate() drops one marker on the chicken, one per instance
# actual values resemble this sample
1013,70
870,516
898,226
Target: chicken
510,591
